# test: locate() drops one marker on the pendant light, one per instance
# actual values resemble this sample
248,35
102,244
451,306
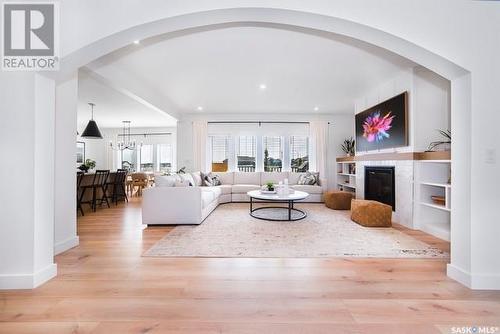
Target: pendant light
92,130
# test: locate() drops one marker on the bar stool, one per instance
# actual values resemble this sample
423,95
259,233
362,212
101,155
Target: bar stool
79,179
98,183
118,185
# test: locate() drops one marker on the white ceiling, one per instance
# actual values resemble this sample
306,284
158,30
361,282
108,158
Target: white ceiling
113,107
221,70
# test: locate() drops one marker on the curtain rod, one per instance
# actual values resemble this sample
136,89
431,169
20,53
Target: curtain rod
146,134
258,122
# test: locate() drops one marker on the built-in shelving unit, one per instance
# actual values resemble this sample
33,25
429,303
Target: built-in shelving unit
433,179
346,176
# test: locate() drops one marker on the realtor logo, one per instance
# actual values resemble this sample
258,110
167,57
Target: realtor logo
30,36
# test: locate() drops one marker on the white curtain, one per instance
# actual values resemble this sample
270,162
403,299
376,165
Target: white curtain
318,133
200,140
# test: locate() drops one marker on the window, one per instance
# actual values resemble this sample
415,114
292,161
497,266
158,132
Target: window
220,153
165,158
246,154
146,156
273,154
299,153
129,160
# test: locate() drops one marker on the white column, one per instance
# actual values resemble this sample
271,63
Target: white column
65,166
27,200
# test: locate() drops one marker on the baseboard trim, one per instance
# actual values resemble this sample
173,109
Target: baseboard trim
66,244
459,275
28,281
486,282
474,281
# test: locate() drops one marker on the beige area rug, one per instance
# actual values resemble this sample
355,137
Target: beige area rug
230,232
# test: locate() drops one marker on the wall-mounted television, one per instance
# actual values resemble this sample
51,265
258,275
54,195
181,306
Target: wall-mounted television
384,125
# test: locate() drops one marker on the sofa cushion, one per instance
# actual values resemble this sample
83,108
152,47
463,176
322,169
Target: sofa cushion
311,189
274,177
208,195
188,178
183,183
225,177
293,178
216,191
225,189
246,178
206,198
244,188
166,180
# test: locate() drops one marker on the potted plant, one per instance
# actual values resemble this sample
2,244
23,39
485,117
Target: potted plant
90,164
270,186
447,140
348,146
83,168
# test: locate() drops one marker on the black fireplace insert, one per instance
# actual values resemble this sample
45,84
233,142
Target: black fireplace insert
380,185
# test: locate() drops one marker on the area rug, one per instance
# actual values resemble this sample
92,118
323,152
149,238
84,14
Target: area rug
230,232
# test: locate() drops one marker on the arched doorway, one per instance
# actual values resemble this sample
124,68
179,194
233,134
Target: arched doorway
318,25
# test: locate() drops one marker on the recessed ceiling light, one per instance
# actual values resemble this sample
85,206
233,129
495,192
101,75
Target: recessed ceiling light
262,86
316,108
199,108
136,41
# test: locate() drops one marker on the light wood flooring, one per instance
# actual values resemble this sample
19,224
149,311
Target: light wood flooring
105,286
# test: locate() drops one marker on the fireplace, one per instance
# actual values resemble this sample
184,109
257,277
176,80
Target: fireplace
380,185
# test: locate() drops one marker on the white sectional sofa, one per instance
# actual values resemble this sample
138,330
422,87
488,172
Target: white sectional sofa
166,204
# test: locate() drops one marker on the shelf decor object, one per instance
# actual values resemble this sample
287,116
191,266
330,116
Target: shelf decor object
348,146
440,200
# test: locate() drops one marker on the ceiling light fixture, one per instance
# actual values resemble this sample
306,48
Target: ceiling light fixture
199,108
316,108
262,86
126,142
136,41
92,130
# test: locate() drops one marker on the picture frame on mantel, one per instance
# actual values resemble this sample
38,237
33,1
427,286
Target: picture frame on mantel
383,126
80,152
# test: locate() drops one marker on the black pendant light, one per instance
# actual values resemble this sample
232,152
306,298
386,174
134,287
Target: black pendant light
92,130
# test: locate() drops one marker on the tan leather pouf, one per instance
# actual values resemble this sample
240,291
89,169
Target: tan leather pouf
338,200
371,213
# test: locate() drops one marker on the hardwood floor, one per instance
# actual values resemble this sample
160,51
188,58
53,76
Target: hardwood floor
105,286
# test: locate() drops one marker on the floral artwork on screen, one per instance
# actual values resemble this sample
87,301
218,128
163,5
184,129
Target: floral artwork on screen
382,126
376,128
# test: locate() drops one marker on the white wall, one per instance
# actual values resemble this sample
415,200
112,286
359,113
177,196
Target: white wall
65,181
428,106
432,111
27,143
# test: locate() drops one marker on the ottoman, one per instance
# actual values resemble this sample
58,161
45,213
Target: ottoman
338,200
371,213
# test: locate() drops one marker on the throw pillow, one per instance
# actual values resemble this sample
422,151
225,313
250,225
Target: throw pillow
198,181
216,181
211,180
207,180
308,178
